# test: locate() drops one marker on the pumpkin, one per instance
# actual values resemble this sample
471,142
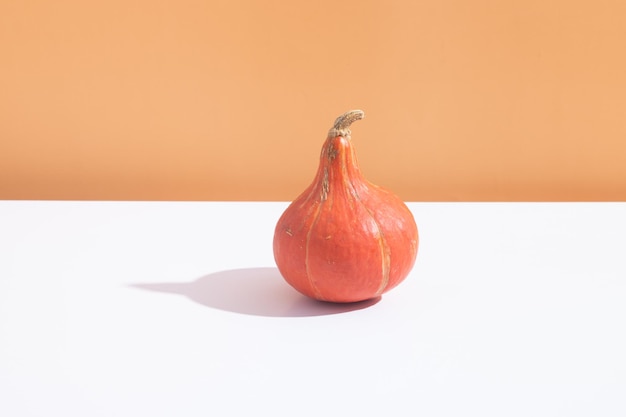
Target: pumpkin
344,239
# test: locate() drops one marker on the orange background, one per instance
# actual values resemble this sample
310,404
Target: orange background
231,100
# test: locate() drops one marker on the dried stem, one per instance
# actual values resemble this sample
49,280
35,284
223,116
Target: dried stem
343,122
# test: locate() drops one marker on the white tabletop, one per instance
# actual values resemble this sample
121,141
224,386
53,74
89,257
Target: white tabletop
177,309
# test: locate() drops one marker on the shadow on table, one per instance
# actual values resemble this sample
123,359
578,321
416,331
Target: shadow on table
253,291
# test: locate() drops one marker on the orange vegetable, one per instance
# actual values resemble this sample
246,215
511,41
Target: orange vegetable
344,239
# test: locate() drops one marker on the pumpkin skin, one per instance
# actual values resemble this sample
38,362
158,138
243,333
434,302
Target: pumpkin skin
344,239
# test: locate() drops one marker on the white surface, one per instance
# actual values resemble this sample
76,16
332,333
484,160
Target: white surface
176,309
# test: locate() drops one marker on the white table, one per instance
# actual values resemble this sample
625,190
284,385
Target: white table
176,309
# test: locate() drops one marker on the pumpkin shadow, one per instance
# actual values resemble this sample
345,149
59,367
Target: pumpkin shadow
253,291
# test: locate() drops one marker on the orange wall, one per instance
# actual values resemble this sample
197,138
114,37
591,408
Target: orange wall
464,100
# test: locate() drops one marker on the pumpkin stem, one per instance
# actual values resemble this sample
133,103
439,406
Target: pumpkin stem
343,122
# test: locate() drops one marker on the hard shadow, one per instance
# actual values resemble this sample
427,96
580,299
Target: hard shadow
252,291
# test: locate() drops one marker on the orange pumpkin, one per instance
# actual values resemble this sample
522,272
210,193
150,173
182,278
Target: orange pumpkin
344,239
